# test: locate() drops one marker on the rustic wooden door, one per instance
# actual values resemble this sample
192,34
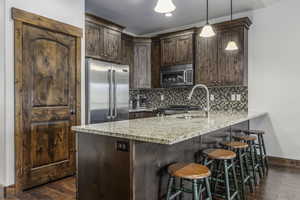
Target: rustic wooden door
46,101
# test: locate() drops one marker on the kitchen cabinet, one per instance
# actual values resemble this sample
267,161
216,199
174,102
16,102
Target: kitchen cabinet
155,62
214,66
128,55
142,63
103,39
177,48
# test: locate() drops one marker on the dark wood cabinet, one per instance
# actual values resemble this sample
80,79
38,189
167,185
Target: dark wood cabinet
177,48
155,62
103,39
142,63
214,65
128,55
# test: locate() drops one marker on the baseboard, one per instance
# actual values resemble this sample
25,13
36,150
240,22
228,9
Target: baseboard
283,162
9,191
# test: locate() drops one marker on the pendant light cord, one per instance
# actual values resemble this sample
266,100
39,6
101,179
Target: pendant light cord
231,9
206,11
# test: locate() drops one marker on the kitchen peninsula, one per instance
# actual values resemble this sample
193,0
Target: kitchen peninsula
128,159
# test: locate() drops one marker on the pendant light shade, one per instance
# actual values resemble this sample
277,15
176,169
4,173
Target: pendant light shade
207,30
231,46
164,6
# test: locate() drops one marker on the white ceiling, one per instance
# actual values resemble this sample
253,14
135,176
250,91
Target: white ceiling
139,17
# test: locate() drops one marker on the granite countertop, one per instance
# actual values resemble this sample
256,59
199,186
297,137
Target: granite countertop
168,129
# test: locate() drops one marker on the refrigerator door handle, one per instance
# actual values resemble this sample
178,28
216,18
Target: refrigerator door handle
109,114
115,113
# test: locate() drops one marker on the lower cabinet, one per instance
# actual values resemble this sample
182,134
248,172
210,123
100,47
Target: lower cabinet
138,115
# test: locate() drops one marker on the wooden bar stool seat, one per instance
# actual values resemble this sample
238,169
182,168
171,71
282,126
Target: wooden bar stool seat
245,138
219,154
189,171
235,145
194,173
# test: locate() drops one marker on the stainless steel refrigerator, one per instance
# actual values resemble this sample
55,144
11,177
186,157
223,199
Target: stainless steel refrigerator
107,91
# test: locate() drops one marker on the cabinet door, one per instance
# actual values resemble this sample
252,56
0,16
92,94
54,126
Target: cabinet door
127,58
142,65
230,63
93,40
155,64
168,52
206,66
184,49
112,45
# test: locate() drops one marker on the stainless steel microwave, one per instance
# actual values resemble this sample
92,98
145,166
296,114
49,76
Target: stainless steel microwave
175,76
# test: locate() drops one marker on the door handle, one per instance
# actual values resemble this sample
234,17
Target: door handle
109,114
115,113
72,112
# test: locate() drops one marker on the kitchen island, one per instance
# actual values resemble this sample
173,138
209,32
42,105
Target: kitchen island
128,159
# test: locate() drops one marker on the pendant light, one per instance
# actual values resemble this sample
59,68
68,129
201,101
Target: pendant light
164,6
231,46
207,30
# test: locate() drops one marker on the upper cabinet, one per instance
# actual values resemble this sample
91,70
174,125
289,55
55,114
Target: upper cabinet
155,62
214,66
142,63
103,39
128,56
177,48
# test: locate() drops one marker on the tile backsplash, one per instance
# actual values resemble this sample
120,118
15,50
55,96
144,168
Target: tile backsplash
178,96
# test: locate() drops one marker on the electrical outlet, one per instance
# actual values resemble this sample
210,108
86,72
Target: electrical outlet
212,97
162,97
233,97
238,97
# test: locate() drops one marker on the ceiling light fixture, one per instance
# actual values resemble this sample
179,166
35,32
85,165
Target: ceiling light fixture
207,30
168,14
231,46
164,6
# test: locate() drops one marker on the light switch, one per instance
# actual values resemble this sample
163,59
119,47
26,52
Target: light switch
238,97
162,97
212,97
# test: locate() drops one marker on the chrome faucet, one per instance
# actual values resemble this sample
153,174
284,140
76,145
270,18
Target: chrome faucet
207,93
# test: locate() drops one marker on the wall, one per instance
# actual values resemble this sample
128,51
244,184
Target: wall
274,71
67,11
2,106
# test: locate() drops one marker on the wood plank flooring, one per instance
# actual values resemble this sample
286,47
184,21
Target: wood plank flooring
281,184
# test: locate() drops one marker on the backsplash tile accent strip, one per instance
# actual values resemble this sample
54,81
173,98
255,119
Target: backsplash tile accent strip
178,96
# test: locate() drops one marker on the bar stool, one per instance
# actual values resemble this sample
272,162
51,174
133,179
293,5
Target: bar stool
192,172
255,165
242,164
262,148
224,161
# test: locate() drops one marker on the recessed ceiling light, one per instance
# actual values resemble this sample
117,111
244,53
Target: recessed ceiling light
168,14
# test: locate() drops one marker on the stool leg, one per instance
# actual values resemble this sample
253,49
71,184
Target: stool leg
246,159
195,190
265,153
261,155
257,162
181,186
208,192
228,197
251,145
170,185
242,173
236,187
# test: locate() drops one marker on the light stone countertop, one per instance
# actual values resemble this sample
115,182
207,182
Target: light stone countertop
168,129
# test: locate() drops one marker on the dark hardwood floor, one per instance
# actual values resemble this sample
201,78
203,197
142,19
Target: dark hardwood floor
280,184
